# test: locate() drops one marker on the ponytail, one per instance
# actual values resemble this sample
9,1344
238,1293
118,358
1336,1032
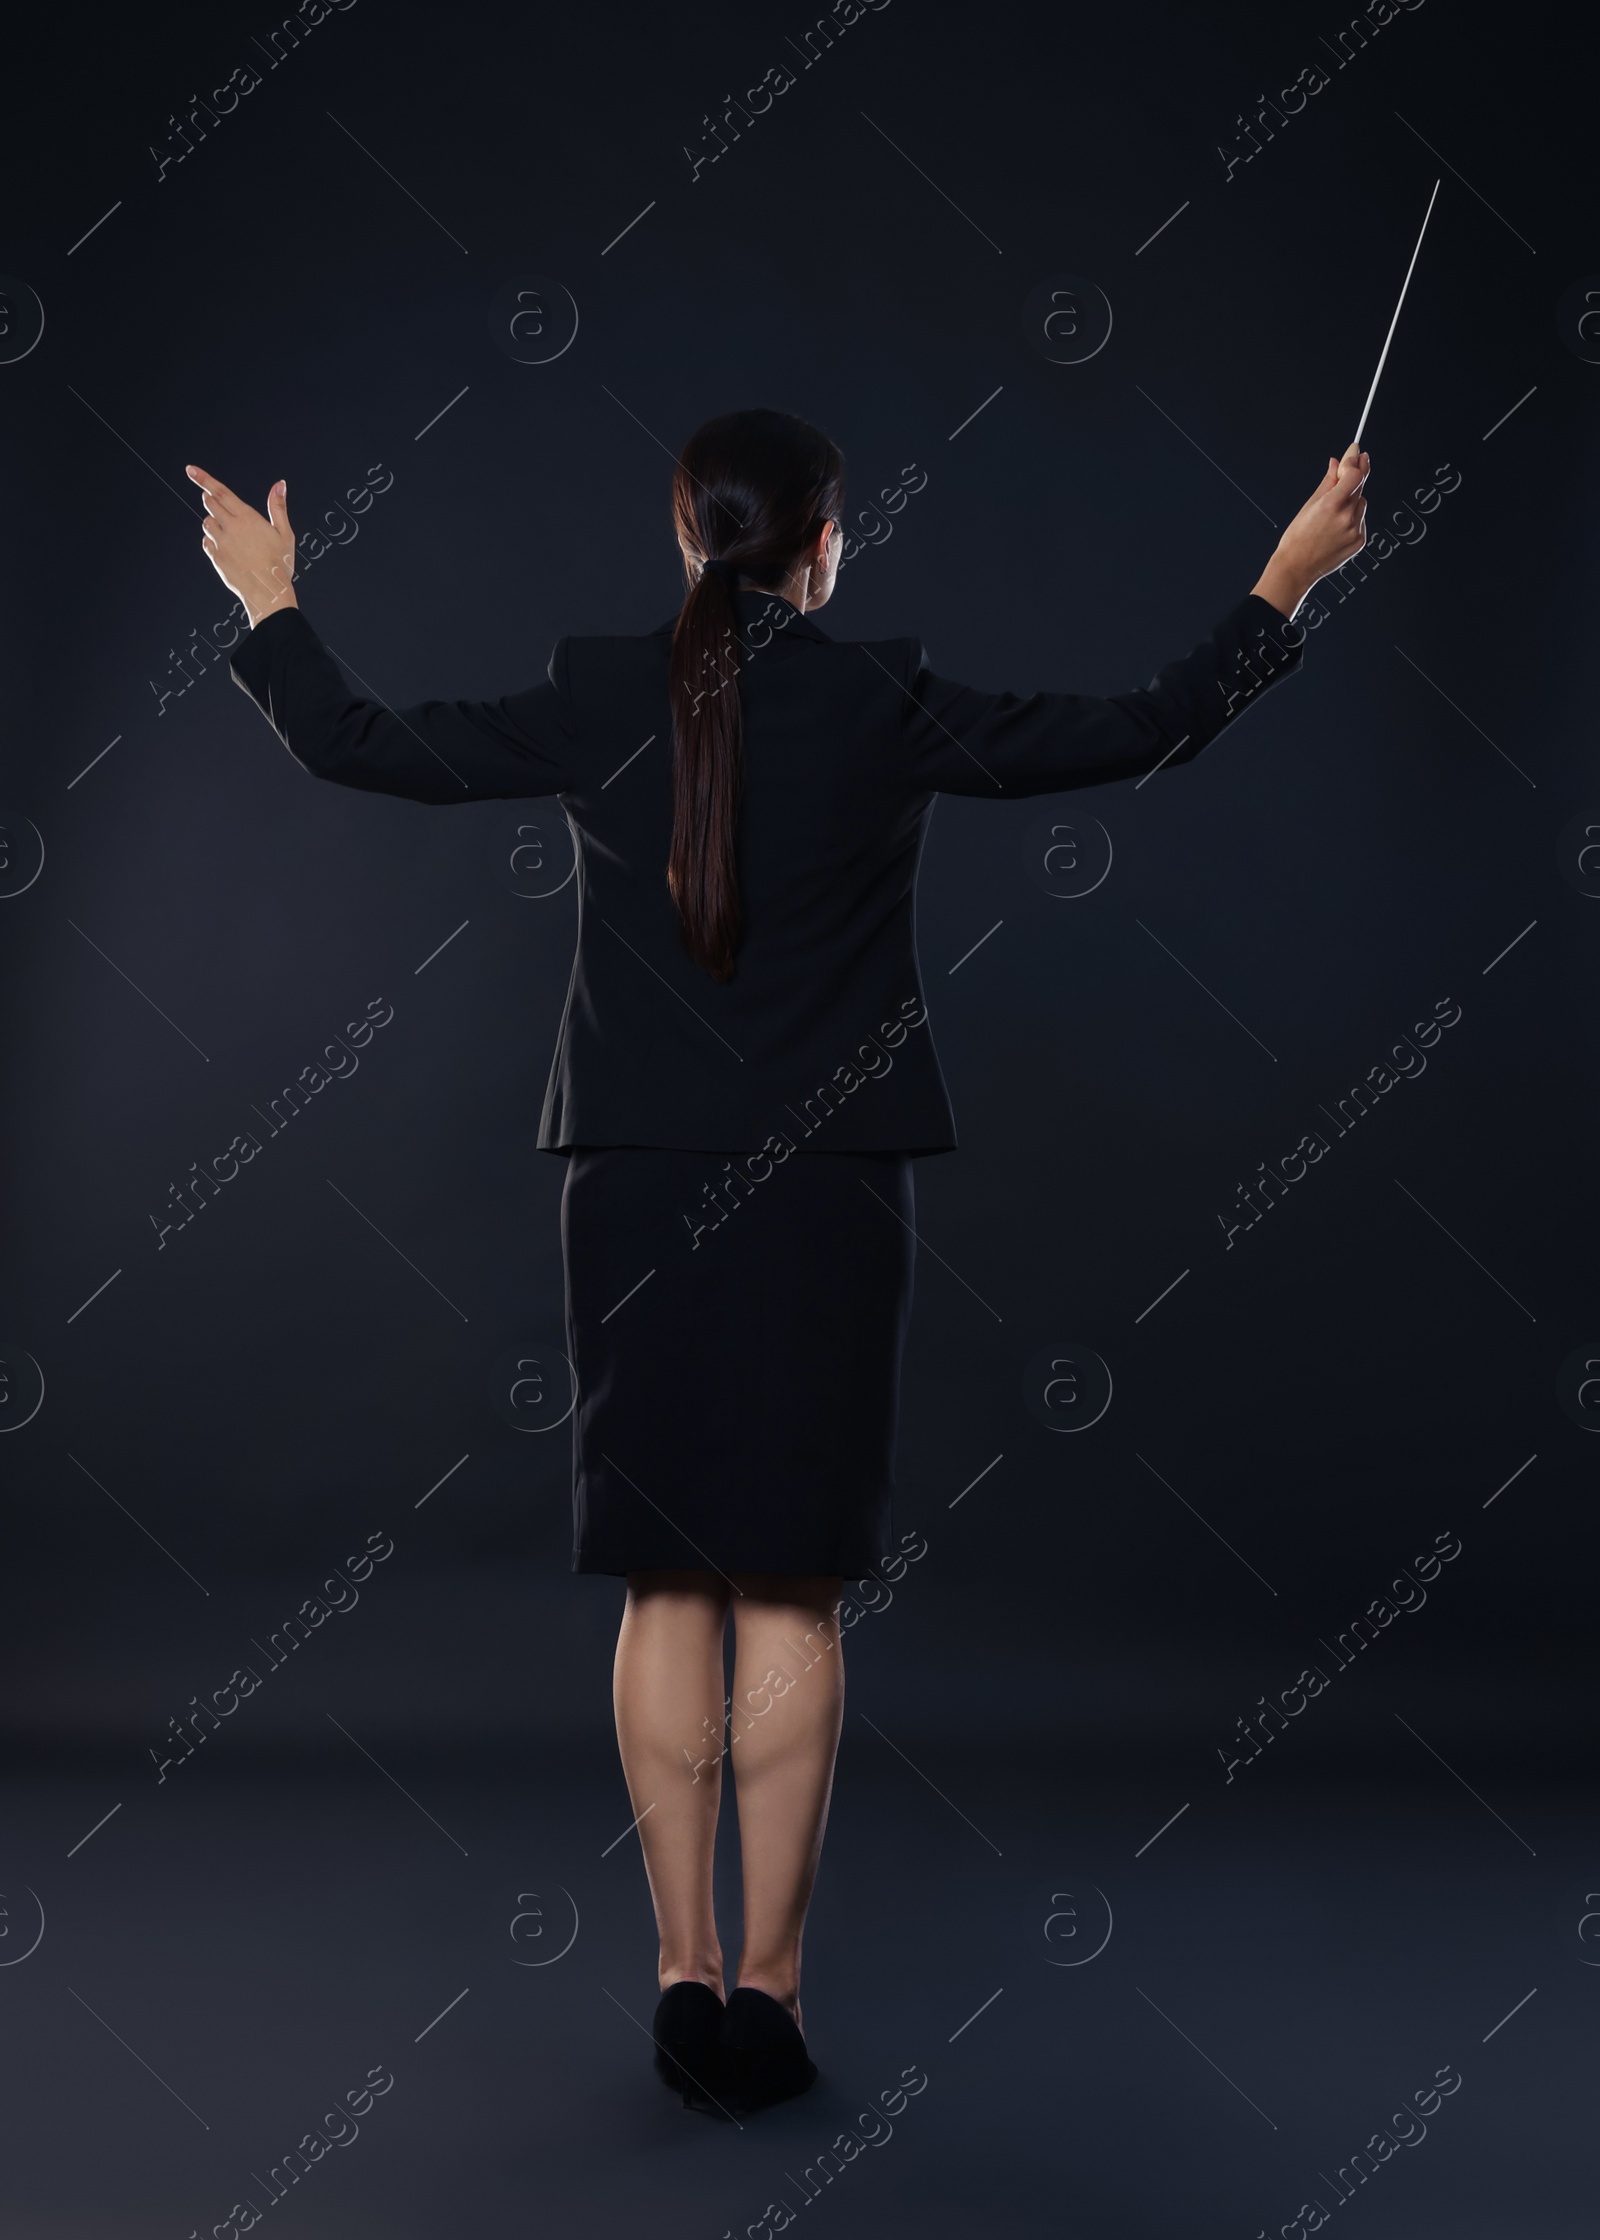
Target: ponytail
752,490
707,772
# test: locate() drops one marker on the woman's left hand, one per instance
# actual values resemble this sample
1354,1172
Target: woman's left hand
253,553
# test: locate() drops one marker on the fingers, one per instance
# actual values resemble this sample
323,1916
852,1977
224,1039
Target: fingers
218,497
278,507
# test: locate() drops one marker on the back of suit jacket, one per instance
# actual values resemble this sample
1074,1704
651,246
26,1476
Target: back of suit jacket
820,1039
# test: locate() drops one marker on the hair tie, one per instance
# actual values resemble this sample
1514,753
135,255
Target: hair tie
723,568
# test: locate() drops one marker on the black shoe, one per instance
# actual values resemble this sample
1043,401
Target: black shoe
686,2031
764,2056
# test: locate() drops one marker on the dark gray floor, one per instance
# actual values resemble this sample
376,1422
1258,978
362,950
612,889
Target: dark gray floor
1287,1967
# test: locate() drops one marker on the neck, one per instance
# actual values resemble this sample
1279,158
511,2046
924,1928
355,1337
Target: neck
794,589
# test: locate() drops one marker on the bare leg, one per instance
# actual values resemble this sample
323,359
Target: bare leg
669,1705
788,1704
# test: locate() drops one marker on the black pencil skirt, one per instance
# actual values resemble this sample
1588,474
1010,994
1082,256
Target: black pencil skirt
736,1329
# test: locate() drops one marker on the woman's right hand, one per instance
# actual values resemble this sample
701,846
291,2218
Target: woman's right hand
1329,529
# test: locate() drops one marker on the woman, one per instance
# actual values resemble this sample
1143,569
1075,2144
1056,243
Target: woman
743,1076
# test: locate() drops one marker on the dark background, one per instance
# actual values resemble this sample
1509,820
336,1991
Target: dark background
314,1358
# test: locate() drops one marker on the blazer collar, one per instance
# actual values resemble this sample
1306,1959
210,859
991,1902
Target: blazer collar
764,617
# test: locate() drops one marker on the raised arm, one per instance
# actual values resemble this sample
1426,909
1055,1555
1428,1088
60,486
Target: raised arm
1001,745
439,751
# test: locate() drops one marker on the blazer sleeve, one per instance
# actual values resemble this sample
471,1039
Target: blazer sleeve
439,751
1000,745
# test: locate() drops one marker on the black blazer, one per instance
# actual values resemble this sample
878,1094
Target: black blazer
821,1036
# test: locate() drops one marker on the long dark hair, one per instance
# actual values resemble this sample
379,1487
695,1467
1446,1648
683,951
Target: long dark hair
752,490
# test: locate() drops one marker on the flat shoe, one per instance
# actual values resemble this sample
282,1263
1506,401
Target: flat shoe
764,2056
686,2030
